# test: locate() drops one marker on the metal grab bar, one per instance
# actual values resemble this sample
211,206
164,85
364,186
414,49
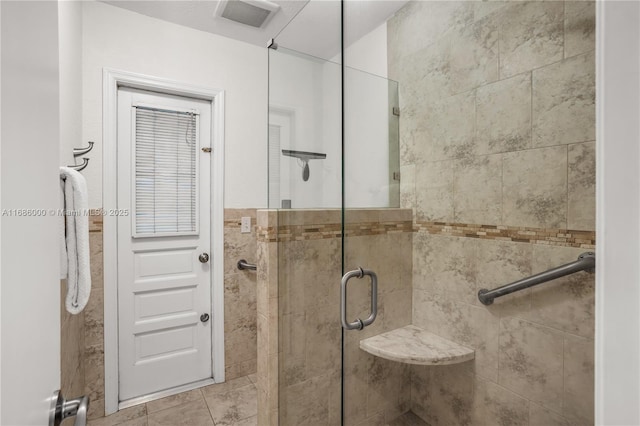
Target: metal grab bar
586,262
243,264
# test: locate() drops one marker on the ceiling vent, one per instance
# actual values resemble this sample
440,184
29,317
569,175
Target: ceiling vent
255,13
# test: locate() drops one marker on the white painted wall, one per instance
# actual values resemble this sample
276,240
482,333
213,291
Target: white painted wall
369,54
30,321
70,36
119,39
618,214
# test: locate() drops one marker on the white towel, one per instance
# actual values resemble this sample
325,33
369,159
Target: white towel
77,240
61,228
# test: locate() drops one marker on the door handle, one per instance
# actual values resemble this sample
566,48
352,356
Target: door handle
358,324
62,408
203,258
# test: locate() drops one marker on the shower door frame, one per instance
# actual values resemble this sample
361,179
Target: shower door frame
113,80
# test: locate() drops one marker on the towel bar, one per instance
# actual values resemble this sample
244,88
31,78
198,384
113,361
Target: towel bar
243,264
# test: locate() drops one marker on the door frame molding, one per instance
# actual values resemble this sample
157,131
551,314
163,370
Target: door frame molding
112,80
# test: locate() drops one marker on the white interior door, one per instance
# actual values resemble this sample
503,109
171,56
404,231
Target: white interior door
164,284
30,266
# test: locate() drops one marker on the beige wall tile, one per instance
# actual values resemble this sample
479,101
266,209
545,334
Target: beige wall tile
408,186
94,372
386,387
420,389
237,214
446,266
447,129
94,318
530,361
504,115
477,190
72,378
578,398
96,262
502,262
540,416
579,27
419,24
564,102
449,396
322,340
306,403
484,8
409,132
535,188
238,246
495,405
472,56
240,369
355,385
544,100
434,191
96,409
308,271
465,324
581,210
396,309
531,36
566,303
463,58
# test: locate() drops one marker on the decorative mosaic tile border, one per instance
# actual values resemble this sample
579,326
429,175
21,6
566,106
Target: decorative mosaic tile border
545,236
551,236
332,230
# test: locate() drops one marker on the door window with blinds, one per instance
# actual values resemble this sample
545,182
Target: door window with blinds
165,187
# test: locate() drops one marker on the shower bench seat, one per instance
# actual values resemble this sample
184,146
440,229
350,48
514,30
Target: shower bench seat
413,345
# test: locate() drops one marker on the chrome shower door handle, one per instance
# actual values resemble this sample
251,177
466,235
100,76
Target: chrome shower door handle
358,324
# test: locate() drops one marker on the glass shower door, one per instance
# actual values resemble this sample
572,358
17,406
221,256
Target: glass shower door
377,255
305,170
334,186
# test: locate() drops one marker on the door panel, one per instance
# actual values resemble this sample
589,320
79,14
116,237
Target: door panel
374,389
30,255
163,288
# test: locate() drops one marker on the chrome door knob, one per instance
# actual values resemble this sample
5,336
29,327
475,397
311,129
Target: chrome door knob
204,317
204,258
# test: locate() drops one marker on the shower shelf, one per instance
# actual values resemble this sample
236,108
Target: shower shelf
413,345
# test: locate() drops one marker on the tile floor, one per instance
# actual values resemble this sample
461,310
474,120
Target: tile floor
233,403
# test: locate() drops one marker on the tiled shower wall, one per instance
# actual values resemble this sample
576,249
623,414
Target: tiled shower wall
240,310
71,349
498,164
299,372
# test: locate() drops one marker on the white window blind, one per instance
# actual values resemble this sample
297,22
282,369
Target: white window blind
166,176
